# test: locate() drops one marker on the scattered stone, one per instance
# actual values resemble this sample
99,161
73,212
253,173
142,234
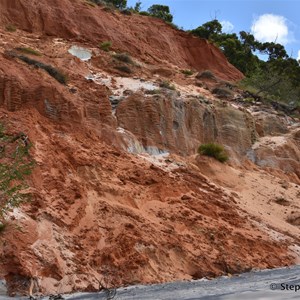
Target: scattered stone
282,201
186,197
294,219
73,90
284,184
127,92
234,194
115,100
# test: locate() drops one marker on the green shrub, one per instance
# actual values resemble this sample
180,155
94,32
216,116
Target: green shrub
98,2
137,7
167,85
11,28
55,73
120,4
2,226
144,13
173,25
29,51
207,74
91,3
124,69
124,57
153,92
105,46
161,12
16,163
126,12
222,92
213,150
187,72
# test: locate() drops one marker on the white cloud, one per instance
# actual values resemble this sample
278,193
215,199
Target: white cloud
271,28
227,26
298,58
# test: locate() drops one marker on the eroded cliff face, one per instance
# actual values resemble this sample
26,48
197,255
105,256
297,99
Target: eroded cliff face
181,124
149,39
118,194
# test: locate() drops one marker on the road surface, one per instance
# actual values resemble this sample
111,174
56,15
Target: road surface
276,284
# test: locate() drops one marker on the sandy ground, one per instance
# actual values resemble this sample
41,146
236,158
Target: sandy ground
271,202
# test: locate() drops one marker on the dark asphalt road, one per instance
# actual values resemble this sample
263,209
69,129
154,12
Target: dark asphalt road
253,285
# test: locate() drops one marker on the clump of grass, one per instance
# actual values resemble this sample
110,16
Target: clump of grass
126,12
2,227
124,68
213,150
124,57
29,51
167,85
173,25
55,73
153,92
108,6
90,3
11,28
187,72
207,74
105,46
144,13
16,164
222,92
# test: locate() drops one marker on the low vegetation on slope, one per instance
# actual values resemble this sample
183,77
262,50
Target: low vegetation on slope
16,164
277,78
213,150
52,71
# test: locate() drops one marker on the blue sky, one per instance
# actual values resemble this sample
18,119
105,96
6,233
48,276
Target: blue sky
268,20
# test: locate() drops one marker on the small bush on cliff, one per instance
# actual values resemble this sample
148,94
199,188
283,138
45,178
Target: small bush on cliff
55,73
121,4
167,85
29,50
144,13
213,150
124,57
16,163
187,72
91,3
124,69
11,28
153,92
207,74
105,46
222,92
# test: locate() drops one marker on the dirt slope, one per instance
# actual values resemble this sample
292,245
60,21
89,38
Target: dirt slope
146,38
101,213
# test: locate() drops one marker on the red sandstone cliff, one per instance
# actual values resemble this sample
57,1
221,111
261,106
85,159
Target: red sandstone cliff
149,39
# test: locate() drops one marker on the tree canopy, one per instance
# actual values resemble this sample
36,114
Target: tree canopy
277,74
161,12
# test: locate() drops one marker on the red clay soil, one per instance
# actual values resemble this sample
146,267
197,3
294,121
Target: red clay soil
99,214
149,39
